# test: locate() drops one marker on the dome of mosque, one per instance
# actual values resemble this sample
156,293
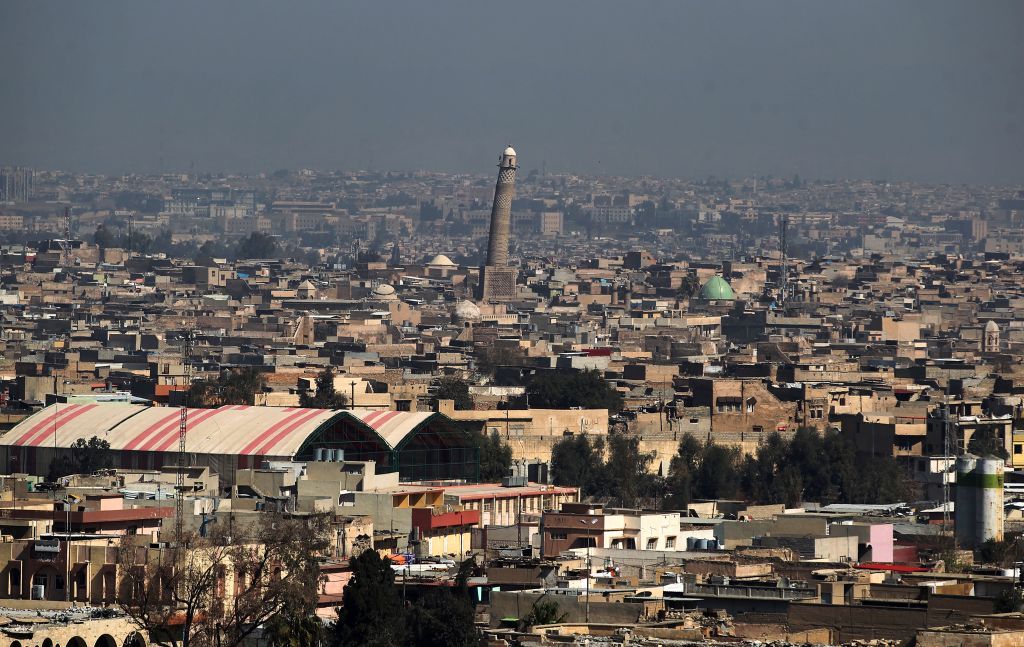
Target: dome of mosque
717,289
384,291
441,259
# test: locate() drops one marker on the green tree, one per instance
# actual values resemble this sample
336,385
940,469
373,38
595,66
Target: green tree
453,388
103,237
999,553
285,630
442,618
543,612
827,469
495,458
1010,600
770,476
232,387
371,614
489,358
681,471
627,470
257,245
689,287
210,250
564,390
717,475
578,460
325,397
87,457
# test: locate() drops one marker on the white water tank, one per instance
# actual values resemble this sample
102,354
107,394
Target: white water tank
979,500
965,500
990,500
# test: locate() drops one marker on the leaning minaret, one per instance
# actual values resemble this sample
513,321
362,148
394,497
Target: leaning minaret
499,280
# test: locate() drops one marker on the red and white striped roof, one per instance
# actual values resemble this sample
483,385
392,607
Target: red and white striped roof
235,430
392,426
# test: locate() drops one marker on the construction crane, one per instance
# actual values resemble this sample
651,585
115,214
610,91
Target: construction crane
187,340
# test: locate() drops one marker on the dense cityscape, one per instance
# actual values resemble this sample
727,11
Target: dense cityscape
612,408
451,324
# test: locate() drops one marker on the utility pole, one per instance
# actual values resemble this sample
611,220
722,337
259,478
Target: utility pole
948,450
67,545
589,523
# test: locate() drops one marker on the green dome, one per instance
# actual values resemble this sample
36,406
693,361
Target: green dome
717,289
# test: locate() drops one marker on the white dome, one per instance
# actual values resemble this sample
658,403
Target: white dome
467,311
441,259
383,290
991,326
510,151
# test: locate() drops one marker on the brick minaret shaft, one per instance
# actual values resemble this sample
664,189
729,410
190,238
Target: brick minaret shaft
501,210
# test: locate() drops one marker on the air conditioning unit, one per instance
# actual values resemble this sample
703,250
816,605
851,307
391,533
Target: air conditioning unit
38,592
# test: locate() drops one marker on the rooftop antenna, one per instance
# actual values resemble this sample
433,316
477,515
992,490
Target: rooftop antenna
131,227
947,451
65,245
784,270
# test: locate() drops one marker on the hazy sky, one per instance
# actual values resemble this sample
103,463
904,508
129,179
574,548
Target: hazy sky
922,90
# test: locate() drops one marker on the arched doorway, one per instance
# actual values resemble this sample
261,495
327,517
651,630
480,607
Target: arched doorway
47,643
135,639
106,640
77,642
47,584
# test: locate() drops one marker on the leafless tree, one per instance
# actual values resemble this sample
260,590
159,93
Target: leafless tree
216,591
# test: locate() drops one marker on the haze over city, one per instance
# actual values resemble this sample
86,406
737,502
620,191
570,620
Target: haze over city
462,324
927,91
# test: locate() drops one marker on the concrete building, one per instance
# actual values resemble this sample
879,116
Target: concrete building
579,525
501,505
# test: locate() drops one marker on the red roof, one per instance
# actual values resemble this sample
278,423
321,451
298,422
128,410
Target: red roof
425,518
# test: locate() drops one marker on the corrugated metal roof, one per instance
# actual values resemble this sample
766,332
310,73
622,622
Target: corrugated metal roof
392,426
233,430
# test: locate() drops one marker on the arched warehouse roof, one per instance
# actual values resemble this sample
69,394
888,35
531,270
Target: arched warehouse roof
242,431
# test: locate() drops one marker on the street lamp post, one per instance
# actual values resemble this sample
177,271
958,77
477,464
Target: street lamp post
67,542
589,523
66,502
